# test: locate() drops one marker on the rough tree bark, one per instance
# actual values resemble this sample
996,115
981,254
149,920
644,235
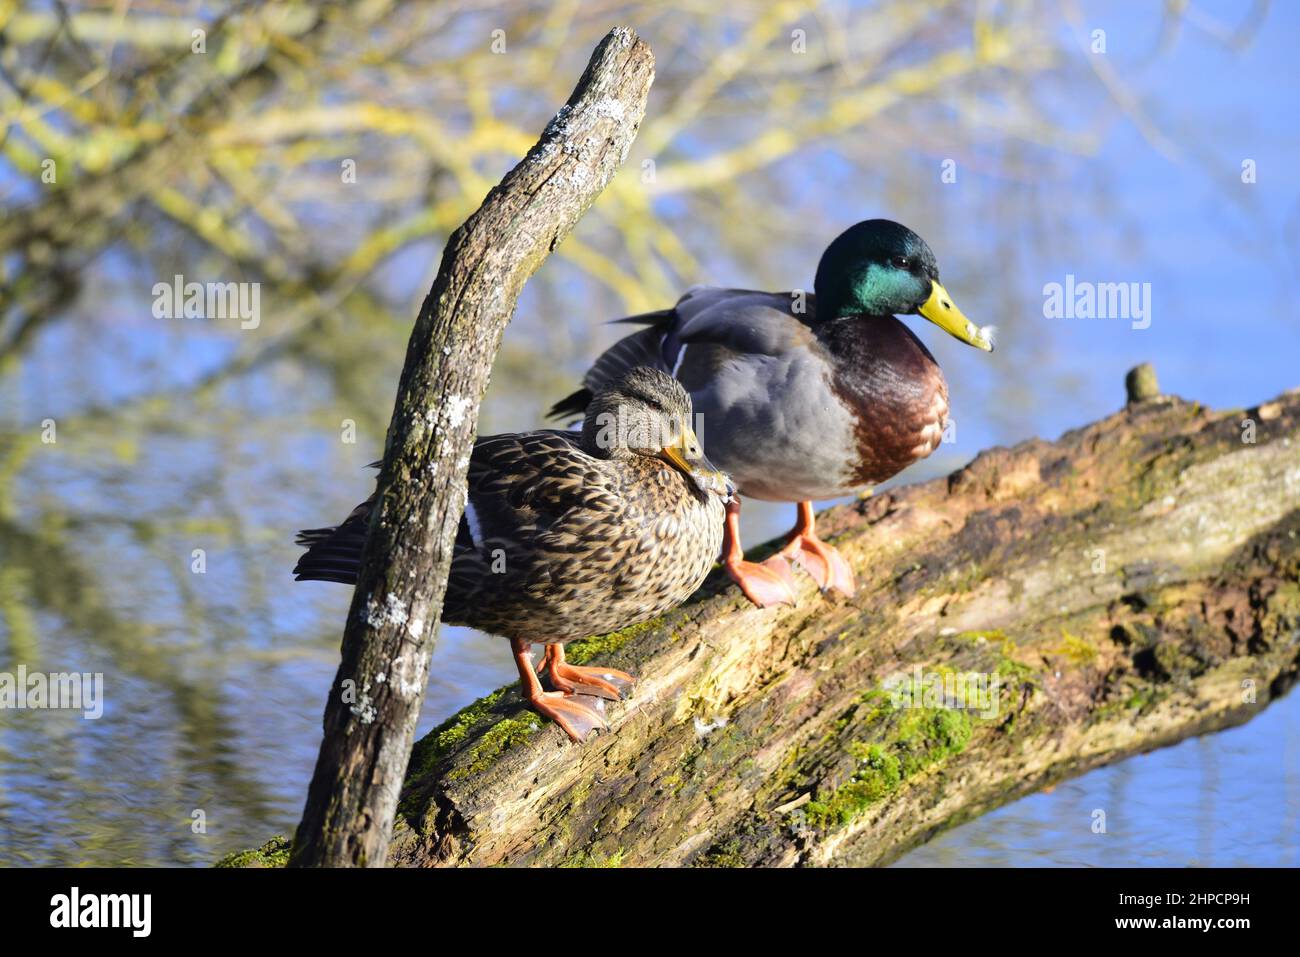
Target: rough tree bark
1129,585
374,704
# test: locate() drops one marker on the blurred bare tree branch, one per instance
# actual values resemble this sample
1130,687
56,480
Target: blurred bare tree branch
327,150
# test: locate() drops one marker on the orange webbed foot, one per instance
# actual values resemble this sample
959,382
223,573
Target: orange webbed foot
823,563
571,712
578,714
608,683
826,566
766,584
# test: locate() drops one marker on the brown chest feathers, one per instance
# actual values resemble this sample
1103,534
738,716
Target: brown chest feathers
895,392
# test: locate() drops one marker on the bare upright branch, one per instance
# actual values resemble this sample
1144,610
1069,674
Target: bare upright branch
392,624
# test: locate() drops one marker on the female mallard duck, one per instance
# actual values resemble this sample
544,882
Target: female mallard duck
810,399
569,534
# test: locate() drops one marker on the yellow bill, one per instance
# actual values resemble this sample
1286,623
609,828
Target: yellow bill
940,310
688,455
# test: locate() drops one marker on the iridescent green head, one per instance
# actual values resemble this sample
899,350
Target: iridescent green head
882,268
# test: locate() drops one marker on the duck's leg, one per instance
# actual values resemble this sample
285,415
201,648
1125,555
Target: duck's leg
577,719
826,566
602,682
771,583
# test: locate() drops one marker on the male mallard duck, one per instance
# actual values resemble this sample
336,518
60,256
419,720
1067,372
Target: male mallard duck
806,400
569,534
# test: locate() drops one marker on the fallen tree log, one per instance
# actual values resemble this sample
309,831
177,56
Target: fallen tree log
1123,588
1133,584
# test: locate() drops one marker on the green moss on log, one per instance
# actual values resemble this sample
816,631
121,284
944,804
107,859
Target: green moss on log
1078,651
439,742
585,649
498,739
591,859
922,738
274,853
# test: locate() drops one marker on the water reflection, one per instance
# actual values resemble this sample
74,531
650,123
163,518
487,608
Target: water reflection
1226,800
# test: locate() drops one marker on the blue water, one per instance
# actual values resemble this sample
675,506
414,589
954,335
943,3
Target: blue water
1227,800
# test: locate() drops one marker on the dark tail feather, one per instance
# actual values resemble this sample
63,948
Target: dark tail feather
311,536
331,556
334,554
574,405
645,318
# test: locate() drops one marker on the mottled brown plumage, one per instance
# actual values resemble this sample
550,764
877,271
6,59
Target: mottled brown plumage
569,534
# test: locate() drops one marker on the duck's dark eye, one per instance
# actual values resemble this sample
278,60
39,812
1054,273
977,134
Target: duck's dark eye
653,403
902,262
